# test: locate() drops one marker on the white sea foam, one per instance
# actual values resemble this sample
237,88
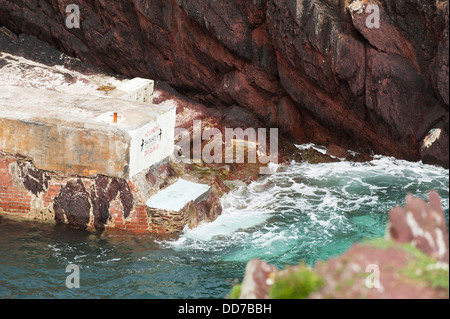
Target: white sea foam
312,209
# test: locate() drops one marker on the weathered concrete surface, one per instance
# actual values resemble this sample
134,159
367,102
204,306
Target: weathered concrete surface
76,134
96,202
178,195
69,126
89,199
137,90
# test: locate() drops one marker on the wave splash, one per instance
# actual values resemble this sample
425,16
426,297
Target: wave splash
311,212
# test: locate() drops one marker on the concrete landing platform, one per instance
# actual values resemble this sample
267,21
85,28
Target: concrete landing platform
87,149
178,195
69,122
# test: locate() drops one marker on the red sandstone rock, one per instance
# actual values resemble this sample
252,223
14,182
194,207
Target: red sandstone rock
307,66
435,144
337,151
348,276
440,64
396,43
256,282
422,224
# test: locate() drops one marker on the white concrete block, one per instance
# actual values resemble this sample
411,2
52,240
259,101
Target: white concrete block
137,90
178,195
77,134
153,142
71,127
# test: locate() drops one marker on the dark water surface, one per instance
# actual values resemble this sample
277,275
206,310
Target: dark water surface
303,212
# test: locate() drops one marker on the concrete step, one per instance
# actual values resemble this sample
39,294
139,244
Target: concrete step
175,197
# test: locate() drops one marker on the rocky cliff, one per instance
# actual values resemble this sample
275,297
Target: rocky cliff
311,67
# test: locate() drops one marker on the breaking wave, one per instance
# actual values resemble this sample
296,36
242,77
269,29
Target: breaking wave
312,212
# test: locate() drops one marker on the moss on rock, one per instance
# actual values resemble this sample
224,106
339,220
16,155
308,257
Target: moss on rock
313,156
236,291
296,283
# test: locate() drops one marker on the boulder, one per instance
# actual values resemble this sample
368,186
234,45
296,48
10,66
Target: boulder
313,156
422,224
337,151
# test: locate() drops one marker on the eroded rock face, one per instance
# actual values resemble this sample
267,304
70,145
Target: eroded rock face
433,144
311,67
103,192
350,276
192,215
34,180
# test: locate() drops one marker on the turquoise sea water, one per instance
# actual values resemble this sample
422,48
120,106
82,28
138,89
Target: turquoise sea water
302,212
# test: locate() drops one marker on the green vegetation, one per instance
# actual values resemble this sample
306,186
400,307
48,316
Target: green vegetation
424,268
236,291
296,284
381,243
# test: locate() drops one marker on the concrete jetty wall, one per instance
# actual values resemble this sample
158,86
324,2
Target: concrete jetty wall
77,134
97,203
89,151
